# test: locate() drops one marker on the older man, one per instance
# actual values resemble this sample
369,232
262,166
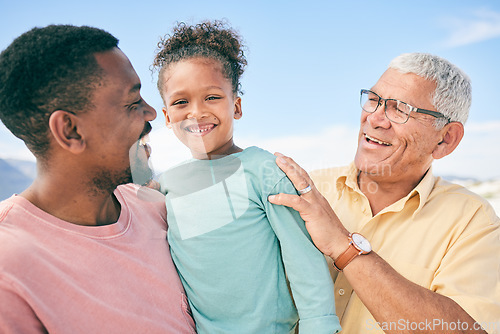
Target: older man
79,251
410,252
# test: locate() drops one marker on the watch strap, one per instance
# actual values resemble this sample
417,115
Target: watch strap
346,257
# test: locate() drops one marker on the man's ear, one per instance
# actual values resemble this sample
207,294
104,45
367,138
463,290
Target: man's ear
238,113
452,134
64,129
167,118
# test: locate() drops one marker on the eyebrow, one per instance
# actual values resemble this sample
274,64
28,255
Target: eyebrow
182,92
212,87
135,88
391,98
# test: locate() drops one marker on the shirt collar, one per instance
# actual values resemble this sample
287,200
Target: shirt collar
423,189
347,178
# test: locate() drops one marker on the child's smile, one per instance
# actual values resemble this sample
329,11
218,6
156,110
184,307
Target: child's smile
200,129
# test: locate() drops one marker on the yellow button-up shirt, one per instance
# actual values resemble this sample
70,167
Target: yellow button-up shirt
440,236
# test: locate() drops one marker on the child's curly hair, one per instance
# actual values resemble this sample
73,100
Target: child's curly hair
208,39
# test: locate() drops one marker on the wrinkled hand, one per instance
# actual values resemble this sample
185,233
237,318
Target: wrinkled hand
326,230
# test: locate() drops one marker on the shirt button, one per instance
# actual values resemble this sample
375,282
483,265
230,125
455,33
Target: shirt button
341,292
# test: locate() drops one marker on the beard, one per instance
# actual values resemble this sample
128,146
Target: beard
138,170
105,182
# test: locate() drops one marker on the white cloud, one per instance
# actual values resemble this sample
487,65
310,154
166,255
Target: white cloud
14,148
482,25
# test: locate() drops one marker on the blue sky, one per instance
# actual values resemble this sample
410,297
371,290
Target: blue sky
307,61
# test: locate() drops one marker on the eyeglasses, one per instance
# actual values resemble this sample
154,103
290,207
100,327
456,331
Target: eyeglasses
395,110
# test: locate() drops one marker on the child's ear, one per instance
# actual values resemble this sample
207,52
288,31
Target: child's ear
238,113
167,119
64,128
452,134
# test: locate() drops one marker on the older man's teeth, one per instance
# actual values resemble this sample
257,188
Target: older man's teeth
377,141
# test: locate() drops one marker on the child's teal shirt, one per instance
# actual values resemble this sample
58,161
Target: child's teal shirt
232,248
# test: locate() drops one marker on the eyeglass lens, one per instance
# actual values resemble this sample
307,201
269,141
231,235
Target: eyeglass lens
395,110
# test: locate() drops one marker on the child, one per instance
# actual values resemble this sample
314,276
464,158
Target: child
230,245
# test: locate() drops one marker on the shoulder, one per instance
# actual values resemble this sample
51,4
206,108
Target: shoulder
260,161
135,193
15,211
254,152
16,241
463,202
260,166
140,200
5,207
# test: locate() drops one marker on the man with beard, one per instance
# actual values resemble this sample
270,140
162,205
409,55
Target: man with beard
79,251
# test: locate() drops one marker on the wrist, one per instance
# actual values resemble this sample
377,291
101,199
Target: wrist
358,245
338,245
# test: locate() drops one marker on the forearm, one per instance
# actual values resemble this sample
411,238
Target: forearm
391,298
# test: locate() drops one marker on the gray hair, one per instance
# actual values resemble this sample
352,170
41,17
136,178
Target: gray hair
453,94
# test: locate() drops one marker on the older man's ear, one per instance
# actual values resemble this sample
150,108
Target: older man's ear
452,134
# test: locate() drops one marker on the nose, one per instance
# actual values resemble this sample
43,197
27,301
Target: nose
196,111
149,112
378,119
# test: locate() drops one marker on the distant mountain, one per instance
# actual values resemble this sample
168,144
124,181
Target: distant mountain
28,168
15,176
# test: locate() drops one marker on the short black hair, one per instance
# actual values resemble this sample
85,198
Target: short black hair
48,69
208,39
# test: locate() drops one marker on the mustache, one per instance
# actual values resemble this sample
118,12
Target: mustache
147,129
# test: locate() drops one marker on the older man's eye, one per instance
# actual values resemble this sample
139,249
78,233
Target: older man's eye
403,109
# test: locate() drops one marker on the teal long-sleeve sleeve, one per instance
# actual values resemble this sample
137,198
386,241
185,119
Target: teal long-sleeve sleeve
305,267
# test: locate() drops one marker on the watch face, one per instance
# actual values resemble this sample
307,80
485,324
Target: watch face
361,242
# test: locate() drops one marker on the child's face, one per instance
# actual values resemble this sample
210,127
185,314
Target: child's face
200,106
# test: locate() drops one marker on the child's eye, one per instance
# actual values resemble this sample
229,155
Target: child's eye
211,98
179,102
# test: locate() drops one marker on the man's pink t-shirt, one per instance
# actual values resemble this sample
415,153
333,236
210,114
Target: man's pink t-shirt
59,277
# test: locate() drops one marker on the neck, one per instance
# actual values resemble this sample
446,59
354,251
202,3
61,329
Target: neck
71,200
226,150
382,193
